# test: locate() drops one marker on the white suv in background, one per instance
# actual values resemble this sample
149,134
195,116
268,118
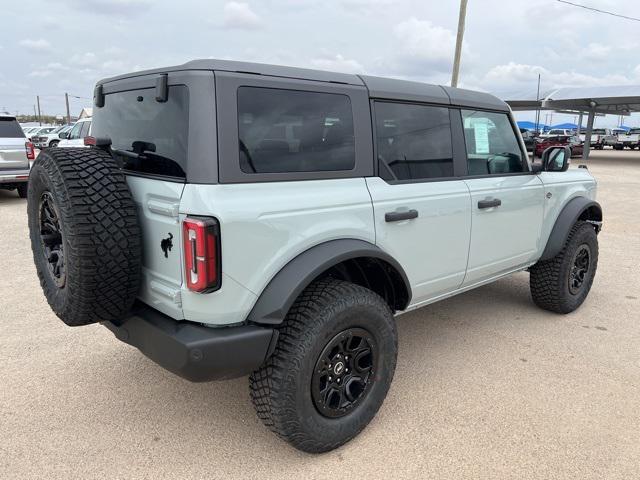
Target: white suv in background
75,136
15,153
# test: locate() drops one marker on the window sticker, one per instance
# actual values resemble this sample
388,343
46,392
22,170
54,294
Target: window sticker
481,136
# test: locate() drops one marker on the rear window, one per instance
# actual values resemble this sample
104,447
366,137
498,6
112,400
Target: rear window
10,128
294,131
146,135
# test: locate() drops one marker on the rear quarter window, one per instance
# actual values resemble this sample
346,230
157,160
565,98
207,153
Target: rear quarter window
10,128
283,131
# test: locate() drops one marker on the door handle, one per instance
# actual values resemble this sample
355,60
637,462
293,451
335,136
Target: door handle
398,216
489,203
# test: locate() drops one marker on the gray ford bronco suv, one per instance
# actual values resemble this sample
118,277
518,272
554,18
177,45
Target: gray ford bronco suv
235,218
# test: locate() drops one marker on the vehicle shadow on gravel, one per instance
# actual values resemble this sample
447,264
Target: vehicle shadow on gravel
10,197
162,406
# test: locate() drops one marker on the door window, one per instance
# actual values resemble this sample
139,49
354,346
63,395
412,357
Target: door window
414,141
294,131
492,145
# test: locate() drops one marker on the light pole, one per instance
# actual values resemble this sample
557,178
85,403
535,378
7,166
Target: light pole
456,58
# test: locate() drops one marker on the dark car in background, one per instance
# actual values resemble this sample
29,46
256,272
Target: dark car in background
572,141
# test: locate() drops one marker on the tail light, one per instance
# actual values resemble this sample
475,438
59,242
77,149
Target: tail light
31,153
201,240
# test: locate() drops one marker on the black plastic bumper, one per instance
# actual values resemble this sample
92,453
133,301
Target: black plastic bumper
193,351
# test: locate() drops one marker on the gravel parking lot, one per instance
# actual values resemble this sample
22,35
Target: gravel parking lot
487,385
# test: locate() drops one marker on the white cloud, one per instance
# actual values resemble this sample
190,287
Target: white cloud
38,45
40,73
337,63
518,78
112,7
239,15
422,39
86,59
421,50
596,51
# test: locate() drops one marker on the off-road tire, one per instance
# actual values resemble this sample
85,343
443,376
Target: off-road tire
281,388
23,190
549,279
100,234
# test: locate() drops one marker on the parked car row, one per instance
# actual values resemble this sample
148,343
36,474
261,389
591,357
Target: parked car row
61,136
630,139
45,139
600,138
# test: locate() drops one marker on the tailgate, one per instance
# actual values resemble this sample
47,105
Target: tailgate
158,202
13,155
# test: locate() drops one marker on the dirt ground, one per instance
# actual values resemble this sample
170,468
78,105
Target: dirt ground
487,385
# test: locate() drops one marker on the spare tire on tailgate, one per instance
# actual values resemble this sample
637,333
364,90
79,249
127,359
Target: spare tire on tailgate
85,235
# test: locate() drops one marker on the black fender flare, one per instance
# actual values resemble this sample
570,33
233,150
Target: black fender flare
567,218
277,297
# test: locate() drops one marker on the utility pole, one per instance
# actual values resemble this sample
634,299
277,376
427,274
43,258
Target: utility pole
66,99
538,110
39,117
456,58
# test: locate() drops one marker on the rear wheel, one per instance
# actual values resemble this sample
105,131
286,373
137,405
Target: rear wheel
562,283
85,235
331,369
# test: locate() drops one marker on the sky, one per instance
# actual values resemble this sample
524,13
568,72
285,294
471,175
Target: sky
49,47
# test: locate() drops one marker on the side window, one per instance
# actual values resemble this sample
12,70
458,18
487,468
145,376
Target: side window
74,134
492,145
414,141
294,131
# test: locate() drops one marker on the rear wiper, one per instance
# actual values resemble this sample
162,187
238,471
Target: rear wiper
139,148
127,153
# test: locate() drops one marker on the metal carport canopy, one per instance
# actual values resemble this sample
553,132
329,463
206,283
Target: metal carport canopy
614,100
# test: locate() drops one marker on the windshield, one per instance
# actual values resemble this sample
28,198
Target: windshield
10,128
634,131
599,131
154,133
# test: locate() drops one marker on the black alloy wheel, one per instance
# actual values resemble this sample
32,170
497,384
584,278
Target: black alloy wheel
580,268
51,238
344,372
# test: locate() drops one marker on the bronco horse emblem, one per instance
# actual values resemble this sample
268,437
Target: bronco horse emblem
167,244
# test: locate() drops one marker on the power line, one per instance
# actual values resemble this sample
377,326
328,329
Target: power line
597,10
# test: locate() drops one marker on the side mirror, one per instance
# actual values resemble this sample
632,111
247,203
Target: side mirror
556,159
63,135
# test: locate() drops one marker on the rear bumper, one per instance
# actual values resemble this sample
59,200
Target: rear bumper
14,176
193,351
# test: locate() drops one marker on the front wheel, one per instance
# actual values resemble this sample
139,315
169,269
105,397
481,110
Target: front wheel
54,143
562,283
331,369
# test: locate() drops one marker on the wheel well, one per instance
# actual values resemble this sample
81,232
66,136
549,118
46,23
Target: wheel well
593,215
374,274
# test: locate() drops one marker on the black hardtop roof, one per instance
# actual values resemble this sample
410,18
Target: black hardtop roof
379,87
